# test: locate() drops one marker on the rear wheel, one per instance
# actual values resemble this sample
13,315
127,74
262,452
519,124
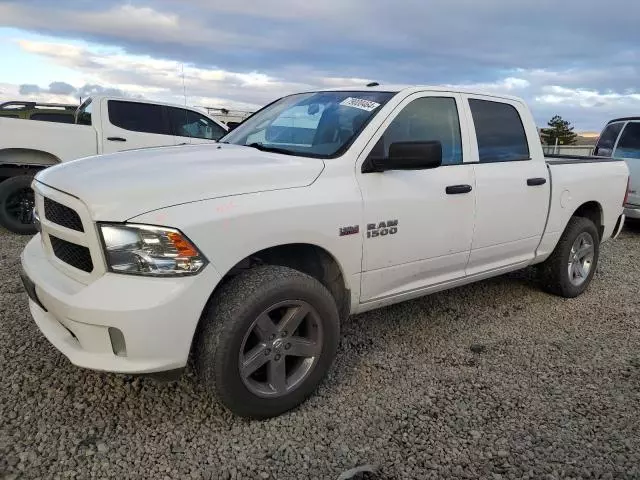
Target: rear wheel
571,266
16,205
268,340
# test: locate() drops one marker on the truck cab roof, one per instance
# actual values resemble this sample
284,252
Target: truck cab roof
624,119
409,89
97,98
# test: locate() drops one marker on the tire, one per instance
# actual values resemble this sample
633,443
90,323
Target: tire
16,193
232,329
555,271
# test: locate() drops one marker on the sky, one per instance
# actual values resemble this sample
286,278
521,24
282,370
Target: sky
576,58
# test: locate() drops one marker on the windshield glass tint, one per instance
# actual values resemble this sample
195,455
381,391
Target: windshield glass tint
317,124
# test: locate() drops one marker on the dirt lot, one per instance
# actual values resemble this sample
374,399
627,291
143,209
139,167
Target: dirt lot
494,380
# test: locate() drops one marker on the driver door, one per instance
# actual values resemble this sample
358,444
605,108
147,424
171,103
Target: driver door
419,223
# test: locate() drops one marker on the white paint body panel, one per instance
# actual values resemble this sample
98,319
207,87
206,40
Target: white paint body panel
65,142
61,140
155,178
510,215
431,248
601,182
235,201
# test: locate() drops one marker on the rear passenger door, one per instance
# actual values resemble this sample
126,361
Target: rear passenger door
512,189
191,127
132,125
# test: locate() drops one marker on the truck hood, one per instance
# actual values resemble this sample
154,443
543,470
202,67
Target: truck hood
119,186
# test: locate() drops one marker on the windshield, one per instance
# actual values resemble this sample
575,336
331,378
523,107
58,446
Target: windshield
316,124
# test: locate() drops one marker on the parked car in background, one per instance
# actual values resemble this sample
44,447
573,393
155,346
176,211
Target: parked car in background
620,140
102,125
247,255
48,112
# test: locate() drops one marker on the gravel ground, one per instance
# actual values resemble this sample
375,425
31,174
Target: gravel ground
494,380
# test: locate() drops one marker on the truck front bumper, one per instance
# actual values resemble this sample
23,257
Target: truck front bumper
117,323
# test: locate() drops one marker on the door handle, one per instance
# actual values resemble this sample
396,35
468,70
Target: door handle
116,139
458,189
533,182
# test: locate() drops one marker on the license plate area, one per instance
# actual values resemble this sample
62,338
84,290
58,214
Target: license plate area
30,288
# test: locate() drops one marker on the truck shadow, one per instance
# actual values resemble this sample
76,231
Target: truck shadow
632,226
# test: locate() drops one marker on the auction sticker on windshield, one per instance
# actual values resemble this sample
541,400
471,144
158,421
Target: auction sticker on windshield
360,103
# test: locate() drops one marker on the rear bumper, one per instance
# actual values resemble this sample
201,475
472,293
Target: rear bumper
632,211
156,317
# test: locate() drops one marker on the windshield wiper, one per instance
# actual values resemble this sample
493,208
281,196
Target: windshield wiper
264,148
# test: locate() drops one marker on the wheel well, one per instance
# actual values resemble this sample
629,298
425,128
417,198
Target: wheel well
592,211
306,258
27,156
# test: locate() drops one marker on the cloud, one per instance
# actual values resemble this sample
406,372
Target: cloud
439,41
118,73
156,78
62,91
29,89
247,52
61,88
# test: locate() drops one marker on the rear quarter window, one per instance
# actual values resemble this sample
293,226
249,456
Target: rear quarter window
499,131
607,140
629,143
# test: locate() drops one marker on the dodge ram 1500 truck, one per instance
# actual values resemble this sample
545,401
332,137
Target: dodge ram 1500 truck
247,255
102,125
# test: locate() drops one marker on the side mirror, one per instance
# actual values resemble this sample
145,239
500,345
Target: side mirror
407,156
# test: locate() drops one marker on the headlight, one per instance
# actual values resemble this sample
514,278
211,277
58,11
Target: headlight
148,250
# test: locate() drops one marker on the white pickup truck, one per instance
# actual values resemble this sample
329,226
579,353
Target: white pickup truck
247,255
102,125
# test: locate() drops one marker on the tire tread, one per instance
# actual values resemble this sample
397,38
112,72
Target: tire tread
227,307
552,271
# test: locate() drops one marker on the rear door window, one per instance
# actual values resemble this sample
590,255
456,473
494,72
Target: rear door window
499,131
629,144
607,140
138,117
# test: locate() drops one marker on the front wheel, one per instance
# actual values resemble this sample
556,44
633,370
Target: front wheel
16,205
571,266
267,341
